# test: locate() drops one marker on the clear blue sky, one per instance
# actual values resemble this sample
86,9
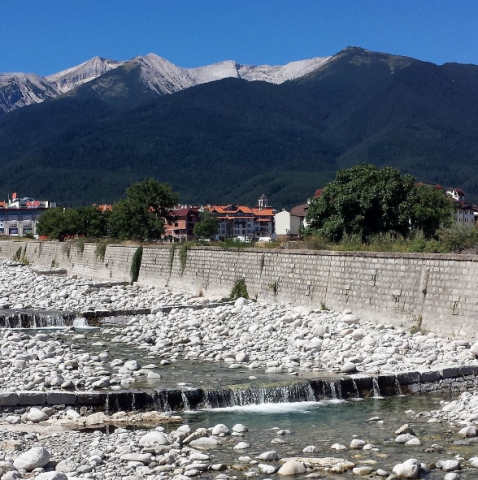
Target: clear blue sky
45,36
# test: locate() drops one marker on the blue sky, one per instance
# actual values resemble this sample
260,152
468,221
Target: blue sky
50,35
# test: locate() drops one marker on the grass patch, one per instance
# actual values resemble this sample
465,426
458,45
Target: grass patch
448,240
183,255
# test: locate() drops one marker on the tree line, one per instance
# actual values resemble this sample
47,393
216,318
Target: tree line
363,201
140,216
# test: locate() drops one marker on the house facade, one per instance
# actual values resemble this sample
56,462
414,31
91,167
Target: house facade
244,222
19,216
466,214
180,224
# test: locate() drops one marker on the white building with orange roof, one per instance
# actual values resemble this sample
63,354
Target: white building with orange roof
244,222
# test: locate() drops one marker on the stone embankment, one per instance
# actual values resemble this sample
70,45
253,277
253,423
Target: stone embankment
52,380
436,292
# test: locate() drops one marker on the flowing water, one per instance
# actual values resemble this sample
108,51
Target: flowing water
324,423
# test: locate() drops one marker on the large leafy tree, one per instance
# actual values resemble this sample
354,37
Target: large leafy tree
58,223
365,200
431,209
207,227
140,216
93,222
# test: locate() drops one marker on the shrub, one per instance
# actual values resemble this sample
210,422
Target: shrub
101,250
239,289
136,264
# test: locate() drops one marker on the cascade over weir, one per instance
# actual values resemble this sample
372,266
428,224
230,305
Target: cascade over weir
309,390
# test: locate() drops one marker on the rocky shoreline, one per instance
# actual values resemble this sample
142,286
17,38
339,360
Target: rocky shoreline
282,341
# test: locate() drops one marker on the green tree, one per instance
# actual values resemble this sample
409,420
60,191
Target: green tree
58,223
157,197
93,222
365,200
431,209
207,227
140,216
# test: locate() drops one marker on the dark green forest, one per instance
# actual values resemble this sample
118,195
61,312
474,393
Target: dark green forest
232,140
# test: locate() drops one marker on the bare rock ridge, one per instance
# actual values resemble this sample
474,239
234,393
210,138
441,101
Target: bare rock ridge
71,78
158,75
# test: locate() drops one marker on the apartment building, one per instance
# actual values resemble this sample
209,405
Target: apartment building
243,221
19,216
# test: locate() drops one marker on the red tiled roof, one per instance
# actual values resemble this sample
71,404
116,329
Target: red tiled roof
182,212
318,193
300,210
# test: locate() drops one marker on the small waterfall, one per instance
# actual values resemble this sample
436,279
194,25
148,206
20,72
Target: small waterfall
333,390
376,388
339,390
206,403
186,405
80,322
35,319
228,397
133,401
161,401
356,390
398,387
107,403
310,395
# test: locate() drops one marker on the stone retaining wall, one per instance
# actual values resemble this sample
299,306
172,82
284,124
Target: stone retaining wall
438,293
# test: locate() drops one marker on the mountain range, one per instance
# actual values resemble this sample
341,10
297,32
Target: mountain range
157,74
228,132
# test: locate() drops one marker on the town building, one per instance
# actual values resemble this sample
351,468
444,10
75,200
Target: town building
466,214
244,222
179,225
288,224
19,216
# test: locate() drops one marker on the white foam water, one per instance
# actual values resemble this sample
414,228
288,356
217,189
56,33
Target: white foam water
271,408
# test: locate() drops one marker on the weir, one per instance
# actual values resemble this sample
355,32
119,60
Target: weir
307,390
35,319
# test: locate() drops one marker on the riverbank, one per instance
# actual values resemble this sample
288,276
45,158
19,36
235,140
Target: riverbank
300,356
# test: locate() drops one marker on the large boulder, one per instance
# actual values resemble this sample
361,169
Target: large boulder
132,365
348,367
66,466
474,349
220,429
204,442
154,438
292,467
31,459
408,469
449,465
35,415
270,456
52,476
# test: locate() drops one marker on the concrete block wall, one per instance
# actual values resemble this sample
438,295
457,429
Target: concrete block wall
438,292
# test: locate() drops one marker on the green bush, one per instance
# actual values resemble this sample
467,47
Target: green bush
18,255
136,264
101,249
239,289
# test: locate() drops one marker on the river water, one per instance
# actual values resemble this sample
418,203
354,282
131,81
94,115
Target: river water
324,423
